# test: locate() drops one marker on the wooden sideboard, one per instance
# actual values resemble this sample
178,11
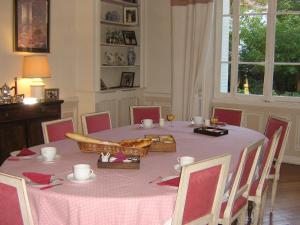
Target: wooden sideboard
20,125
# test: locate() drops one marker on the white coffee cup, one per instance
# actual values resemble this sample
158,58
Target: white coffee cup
207,122
197,120
82,171
185,160
48,153
147,123
161,122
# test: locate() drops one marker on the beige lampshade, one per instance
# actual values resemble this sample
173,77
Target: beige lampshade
36,66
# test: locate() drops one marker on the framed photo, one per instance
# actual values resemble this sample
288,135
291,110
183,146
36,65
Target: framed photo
31,25
51,94
129,37
130,15
127,79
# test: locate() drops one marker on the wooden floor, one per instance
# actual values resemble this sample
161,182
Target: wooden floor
287,204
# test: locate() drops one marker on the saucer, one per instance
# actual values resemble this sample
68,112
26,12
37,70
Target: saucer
177,167
141,126
71,178
15,153
40,158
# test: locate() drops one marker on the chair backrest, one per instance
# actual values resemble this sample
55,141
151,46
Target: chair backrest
95,122
273,124
55,130
200,191
138,113
14,204
243,175
267,160
228,115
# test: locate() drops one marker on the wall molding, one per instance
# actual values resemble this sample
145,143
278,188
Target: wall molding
291,159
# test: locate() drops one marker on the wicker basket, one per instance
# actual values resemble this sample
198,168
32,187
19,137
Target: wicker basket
112,149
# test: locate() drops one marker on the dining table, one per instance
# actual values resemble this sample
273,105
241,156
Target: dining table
122,196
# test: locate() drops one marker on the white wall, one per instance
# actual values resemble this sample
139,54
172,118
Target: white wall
158,47
62,48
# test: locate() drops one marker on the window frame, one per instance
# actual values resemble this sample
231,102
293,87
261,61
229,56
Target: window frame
268,63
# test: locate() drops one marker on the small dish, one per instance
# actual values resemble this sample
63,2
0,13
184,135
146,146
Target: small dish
15,153
71,178
177,167
40,158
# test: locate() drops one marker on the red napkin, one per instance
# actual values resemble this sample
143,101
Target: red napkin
120,157
38,178
25,152
172,182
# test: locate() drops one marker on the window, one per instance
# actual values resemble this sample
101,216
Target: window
259,48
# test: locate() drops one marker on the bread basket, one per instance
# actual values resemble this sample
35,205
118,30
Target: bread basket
88,145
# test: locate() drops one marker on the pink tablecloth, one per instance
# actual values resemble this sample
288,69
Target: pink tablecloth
121,196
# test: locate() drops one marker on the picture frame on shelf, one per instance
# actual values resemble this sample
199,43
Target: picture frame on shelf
129,37
127,79
103,86
130,15
51,94
31,25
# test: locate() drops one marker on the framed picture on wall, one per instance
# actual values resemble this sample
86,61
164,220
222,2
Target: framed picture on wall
31,25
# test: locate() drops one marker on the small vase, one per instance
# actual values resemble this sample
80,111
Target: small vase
131,56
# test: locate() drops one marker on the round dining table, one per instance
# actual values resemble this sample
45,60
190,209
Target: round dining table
122,196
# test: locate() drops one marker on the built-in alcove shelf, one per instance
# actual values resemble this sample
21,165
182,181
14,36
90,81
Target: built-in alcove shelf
113,90
118,45
120,2
125,66
117,23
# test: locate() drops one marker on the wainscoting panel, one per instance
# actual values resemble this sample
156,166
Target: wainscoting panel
111,107
256,116
124,104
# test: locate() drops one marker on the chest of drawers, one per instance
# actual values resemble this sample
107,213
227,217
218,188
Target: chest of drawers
20,125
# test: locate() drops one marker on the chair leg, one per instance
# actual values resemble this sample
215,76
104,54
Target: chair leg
262,209
242,217
257,208
274,190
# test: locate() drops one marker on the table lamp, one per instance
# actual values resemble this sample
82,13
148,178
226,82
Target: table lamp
36,66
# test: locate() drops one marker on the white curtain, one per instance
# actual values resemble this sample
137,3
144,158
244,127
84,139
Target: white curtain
192,27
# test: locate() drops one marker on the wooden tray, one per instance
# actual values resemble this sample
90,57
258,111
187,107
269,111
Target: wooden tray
211,131
162,143
123,165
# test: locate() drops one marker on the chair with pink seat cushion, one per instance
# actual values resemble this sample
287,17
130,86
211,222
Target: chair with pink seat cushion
200,191
95,122
14,204
258,190
236,205
273,124
138,113
228,115
55,130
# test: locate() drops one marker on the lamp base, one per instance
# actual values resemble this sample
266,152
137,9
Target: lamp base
37,91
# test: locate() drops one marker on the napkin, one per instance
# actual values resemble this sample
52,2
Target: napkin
120,157
26,152
171,182
38,178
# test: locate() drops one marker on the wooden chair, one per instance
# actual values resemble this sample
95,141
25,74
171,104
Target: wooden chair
258,190
95,122
55,130
14,204
236,206
228,115
201,191
138,113
273,124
